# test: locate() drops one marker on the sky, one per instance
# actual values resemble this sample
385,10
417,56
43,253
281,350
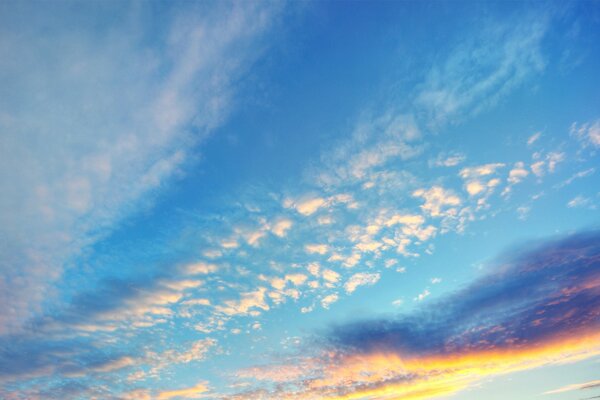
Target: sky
299,200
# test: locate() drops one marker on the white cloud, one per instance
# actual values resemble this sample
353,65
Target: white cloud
479,171
296,279
580,201
200,268
578,175
538,168
360,279
307,206
316,248
474,187
588,133
437,200
548,164
533,138
248,301
109,124
328,300
331,276
518,173
423,295
281,227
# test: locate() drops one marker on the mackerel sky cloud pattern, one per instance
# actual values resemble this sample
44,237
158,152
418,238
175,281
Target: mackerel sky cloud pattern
258,200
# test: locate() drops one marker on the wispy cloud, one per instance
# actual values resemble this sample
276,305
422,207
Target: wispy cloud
576,386
115,114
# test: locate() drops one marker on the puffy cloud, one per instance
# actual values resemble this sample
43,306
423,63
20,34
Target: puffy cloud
200,268
316,248
548,164
518,173
331,276
328,300
247,302
438,201
474,187
281,227
296,279
307,206
406,219
360,279
423,295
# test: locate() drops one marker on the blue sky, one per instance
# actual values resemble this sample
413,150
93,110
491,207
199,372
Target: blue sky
273,200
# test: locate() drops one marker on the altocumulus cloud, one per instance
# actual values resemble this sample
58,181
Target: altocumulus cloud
536,307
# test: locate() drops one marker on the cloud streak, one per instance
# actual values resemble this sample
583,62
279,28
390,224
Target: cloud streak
76,161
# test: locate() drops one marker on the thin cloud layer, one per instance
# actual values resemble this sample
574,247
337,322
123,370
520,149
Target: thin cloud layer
76,162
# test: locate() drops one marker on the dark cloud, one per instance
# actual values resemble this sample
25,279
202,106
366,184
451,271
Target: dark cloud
545,292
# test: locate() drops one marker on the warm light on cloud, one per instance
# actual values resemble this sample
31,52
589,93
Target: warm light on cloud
190,392
557,285
575,386
244,200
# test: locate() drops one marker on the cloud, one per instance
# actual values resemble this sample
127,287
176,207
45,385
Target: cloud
200,268
423,295
477,75
328,300
588,133
197,351
537,307
116,111
247,302
360,279
517,174
438,201
577,175
331,276
548,164
451,160
533,138
189,392
281,227
316,248
479,171
581,201
310,206
576,386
